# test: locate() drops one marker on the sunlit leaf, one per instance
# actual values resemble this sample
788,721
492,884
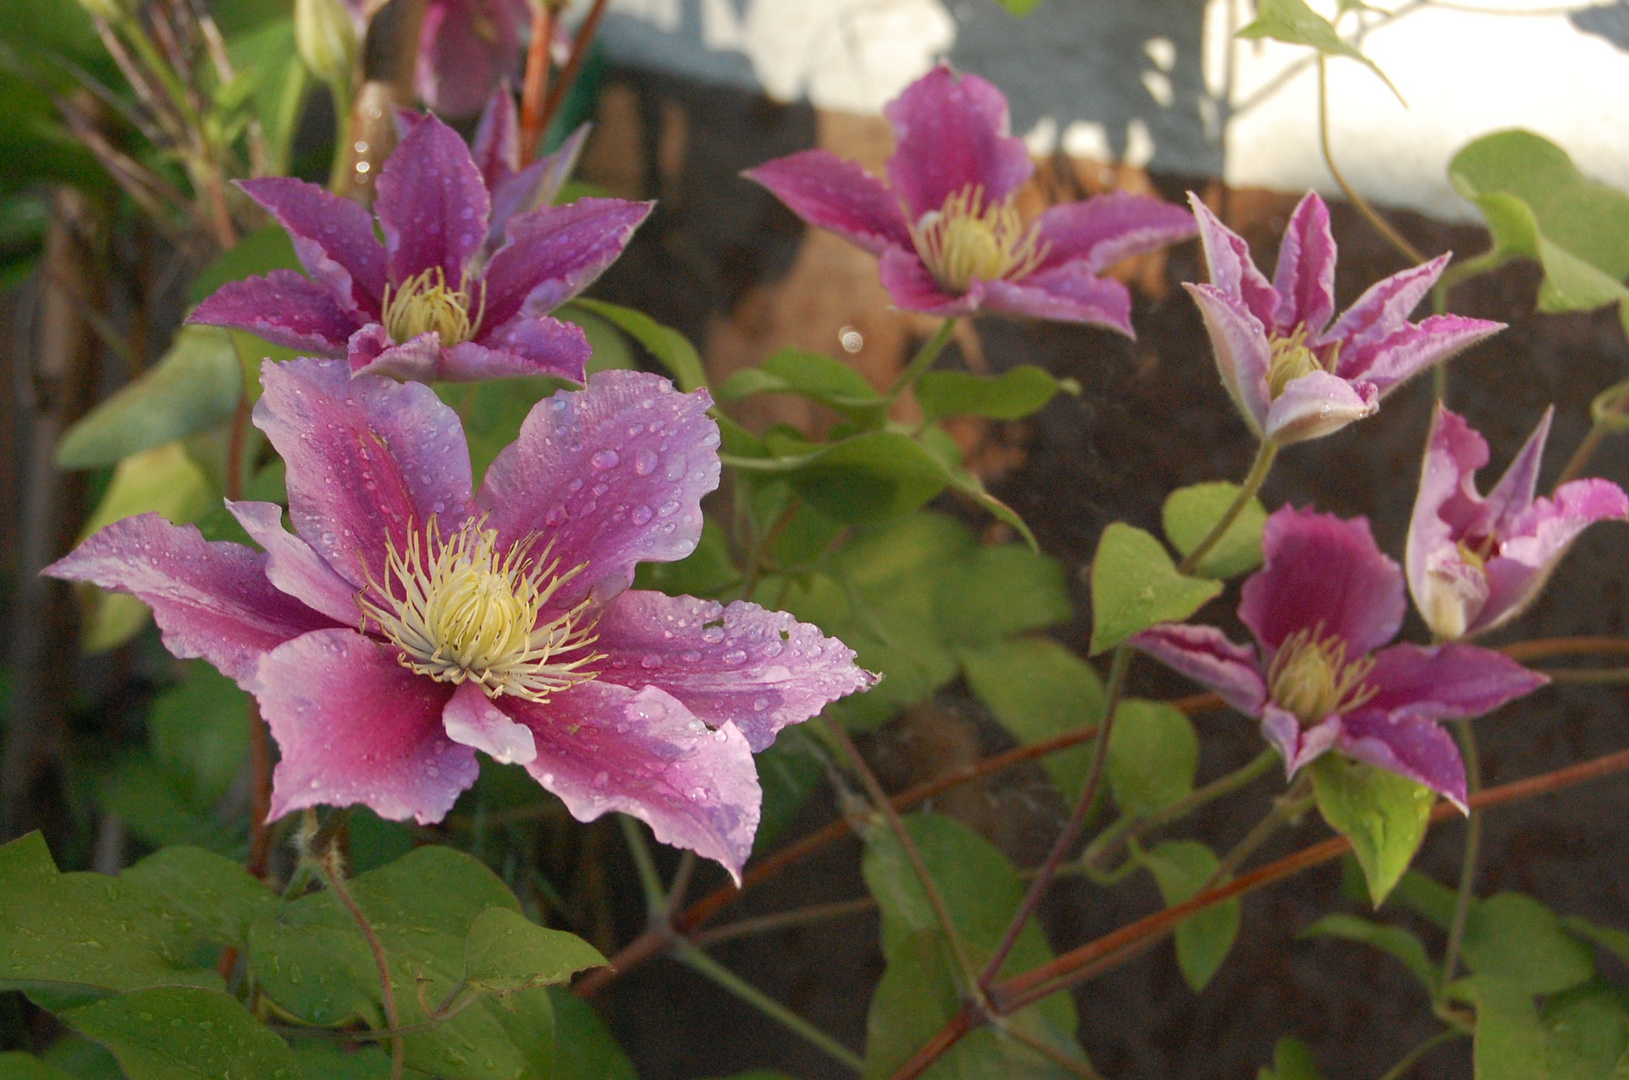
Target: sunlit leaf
1383,814
1135,585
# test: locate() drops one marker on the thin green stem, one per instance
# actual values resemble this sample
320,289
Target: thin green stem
1286,808
705,965
922,361
764,924
1265,453
1586,450
1587,675
1393,237
1473,846
1069,1062
333,875
1410,1059
649,880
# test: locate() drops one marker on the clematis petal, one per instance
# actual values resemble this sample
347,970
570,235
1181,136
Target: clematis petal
371,352
1066,293
1452,593
1445,682
1322,572
534,186
333,238
612,475
1316,405
1392,360
522,347
1417,749
366,457
603,747
1205,655
1231,270
355,726
833,193
1243,355
1305,279
1536,541
1296,744
432,205
1447,592
912,287
555,253
285,308
761,670
465,48
951,133
293,566
1514,492
1384,307
210,599
495,148
1105,229
471,719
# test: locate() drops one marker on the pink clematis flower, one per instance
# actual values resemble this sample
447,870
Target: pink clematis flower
1293,374
1324,601
466,48
462,286
406,623
949,237
1474,563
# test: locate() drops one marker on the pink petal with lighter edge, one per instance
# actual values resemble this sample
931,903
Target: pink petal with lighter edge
432,205
332,236
833,193
555,253
951,133
1305,279
473,720
294,567
284,308
1205,655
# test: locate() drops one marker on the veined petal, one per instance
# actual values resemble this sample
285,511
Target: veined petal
1066,293
1243,355
603,747
951,132
285,308
333,238
1322,572
832,193
612,476
371,352
758,669
1231,269
1318,404
495,148
355,726
471,719
1408,746
1205,655
522,347
1514,492
294,567
1446,682
1392,360
912,287
1296,744
366,457
1384,307
210,599
1105,229
1536,541
534,186
1305,280
465,48
432,204
555,253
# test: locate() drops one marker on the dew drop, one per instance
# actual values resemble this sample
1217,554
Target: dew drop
642,514
604,459
645,462
651,662
735,656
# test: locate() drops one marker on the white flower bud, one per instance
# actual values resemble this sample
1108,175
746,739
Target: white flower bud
326,39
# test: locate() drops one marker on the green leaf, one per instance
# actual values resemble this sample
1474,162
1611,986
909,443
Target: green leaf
326,1059
1383,814
1430,899
1402,944
493,411
176,1033
706,571
1585,1033
869,478
1153,756
666,344
1191,512
817,377
1018,8
154,803
1292,21
1038,690
1518,940
790,771
1509,1043
1135,585
214,892
584,1047
1292,1060
1539,206
1011,395
260,252
1611,939
199,732
506,952
17,1065
1181,868
608,347
1001,590
193,388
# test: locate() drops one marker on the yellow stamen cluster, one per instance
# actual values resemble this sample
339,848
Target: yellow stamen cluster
1311,677
425,302
967,239
1291,359
1477,557
457,610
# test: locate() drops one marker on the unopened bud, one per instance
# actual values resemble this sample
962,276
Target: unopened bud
111,10
326,38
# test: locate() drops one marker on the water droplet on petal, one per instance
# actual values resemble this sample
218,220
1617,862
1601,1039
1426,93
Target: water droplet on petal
645,462
604,459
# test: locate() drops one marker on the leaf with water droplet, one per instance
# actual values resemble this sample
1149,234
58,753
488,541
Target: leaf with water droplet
184,1033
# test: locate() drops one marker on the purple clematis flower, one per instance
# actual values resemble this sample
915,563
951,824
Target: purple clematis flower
949,237
1474,563
406,623
466,48
461,288
1321,605
1293,374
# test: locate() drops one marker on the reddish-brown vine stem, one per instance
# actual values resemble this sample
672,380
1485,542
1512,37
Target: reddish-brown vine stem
536,83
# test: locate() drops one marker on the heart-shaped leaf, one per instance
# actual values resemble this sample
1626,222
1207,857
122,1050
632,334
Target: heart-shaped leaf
1383,814
1135,585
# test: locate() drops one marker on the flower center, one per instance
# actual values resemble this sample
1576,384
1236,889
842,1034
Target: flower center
967,239
425,302
456,610
1311,677
1475,554
1291,359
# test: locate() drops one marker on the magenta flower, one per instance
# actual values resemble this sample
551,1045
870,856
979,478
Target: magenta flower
405,623
466,49
462,286
1321,605
1474,563
1293,374
945,226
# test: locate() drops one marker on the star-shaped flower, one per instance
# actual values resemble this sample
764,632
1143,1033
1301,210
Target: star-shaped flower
461,288
406,623
945,226
1323,603
1475,562
1292,372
